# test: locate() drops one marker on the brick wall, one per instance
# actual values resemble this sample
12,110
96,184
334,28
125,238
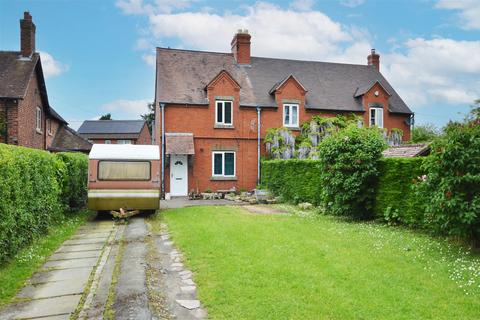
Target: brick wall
55,124
144,137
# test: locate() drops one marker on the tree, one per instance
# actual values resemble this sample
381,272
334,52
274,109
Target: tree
107,116
425,133
149,117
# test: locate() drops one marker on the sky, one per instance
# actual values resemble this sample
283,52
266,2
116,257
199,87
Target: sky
99,55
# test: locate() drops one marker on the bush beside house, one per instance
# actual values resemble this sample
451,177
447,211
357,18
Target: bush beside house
33,186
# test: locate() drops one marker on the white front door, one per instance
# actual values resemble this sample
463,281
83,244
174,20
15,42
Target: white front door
178,175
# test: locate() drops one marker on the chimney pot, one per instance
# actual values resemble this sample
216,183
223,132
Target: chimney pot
27,35
241,46
374,59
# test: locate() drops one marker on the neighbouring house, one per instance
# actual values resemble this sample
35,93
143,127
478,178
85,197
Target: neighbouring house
213,109
116,131
407,151
26,117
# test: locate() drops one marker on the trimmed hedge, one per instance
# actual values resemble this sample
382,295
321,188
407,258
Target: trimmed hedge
396,200
31,193
74,179
293,180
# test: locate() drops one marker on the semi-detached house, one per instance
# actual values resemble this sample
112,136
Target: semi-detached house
213,109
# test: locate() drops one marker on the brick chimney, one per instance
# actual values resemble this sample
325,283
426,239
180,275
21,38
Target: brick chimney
27,35
241,47
374,60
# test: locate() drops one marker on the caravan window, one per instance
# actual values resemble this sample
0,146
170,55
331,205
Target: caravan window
124,170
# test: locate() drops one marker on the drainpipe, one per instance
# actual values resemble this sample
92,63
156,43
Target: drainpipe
162,108
258,144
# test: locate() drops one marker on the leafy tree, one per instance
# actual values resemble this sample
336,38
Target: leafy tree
349,162
107,116
425,133
149,117
452,184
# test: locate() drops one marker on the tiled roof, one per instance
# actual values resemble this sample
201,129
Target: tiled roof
15,73
111,127
182,76
67,139
407,151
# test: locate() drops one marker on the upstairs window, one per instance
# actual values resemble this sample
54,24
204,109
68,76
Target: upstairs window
223,164
49,126
223,112
290,115
124,141
108,141
38,119
376,117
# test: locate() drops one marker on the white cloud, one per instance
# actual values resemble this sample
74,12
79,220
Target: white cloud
136,7
469,11
51,67
302,5
435,71
351,3
150,59
276,32
127,108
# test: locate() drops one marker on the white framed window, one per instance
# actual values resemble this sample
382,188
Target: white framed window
290,115
223,164
224,112
124,141
49,126
38,119
376,117
108,141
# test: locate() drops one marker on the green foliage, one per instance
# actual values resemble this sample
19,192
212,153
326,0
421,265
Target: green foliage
452,185
74,179
396,201
31,184
293,180
349,168
424,133
149,117
107,116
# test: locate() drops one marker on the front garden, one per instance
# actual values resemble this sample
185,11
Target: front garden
304,265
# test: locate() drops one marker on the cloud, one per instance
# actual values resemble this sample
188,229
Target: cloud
351,3
51,67
150,59
127,108
302,5
139,7
315,35
435,71
468,11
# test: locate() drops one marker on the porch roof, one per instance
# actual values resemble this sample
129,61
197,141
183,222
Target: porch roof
179,143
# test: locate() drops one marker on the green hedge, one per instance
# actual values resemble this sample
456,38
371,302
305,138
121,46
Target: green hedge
74,179
32,186
293,180
396,200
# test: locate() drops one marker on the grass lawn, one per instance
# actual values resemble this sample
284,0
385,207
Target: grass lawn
251,266
14,273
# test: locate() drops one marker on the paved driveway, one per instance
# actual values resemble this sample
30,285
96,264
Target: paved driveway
110,271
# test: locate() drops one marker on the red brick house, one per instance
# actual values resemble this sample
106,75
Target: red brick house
26,117
116,131
213,109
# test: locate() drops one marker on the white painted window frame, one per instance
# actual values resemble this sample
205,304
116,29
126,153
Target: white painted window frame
223,164
223,112
290,110
378,117
123,141
38,119
108,141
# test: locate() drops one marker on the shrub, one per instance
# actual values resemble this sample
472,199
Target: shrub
349,169
293,180
74,179
453,180
424,133
32,186
396,200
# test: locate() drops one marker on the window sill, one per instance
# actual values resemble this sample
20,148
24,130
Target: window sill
293,128
219,178
39,131
223,126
